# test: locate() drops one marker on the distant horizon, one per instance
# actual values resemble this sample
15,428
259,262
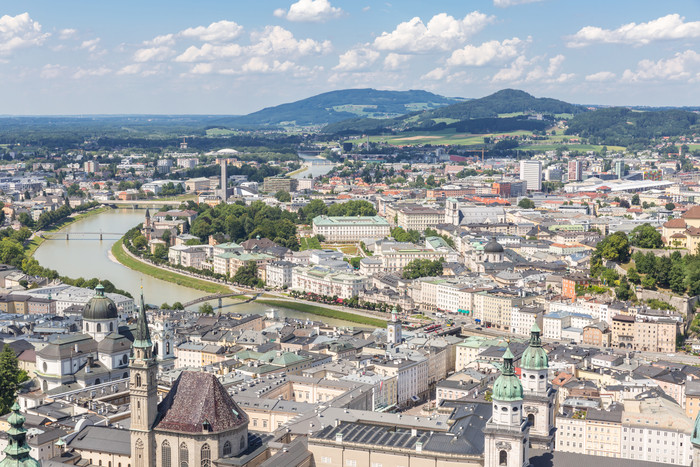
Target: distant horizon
233,58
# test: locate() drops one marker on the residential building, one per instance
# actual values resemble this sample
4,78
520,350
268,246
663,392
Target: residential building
531,173
350,229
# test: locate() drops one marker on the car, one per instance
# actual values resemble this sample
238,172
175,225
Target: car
479,328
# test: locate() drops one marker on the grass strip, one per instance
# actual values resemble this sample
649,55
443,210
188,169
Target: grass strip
327,312
124,258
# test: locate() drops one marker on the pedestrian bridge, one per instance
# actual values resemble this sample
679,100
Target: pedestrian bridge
79,235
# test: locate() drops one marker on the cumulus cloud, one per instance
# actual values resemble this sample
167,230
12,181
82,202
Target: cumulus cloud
82,72
90,45
514,72
309,10
277,40
209,52
165,39
394,61
681,66
507,3
441,33
356,59
601,76
50,71
67,33
17,32
132,69
667,27
436,75
260,65
487,52
150,54
220,31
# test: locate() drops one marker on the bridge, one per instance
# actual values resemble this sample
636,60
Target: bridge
67,235
146,203
218,296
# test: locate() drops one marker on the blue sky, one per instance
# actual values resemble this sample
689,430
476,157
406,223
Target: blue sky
234,57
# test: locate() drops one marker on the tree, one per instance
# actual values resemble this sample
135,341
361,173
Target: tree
670,206
178,306
247,274
623,291
645,236
615,247
165,306
633,276
206,309
283,196
635,199
526,203
677,279
649,283
11,377
423,268
166,237
355,262
139,242
624,203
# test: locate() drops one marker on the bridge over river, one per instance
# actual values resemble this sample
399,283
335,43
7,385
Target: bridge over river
80,235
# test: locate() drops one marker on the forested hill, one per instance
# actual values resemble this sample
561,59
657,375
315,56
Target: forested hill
340,105
617,126
509,103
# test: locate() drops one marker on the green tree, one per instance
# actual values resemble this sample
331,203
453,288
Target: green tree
645,236
670,206
635,199
247,274
423,268
139,242
283,196
165,306
526,203
166,237
677,279
11,377
649,283
615,247
623,291
178,306
633,276
206,309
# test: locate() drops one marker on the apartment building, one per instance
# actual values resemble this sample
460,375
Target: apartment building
279,273
411,377
323,281
495,307
350,229
275,184
415,216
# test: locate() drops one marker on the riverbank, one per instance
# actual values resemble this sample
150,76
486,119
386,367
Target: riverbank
326,312
36,242
127,259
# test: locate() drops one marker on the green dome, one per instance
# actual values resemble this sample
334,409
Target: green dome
507,386
100,307
695,438
17,450
534,357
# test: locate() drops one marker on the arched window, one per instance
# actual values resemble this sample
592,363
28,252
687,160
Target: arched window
138,457
99,327
167,348
504,409
227,448
98,381
515,409
541,376
45,367
111,327
205,455
531,419
184,456
532,376
138,379
503,458
242,442
165,453
124,359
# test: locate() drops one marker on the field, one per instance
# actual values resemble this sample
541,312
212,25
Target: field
327,312
310,243
220,132
124,258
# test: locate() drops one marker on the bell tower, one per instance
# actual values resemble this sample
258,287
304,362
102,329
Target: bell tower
393,328
142,391
506,434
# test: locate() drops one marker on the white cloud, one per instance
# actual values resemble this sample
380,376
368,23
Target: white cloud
279,41
507,3
681,66
220,31
209,52
90,45
551,73
441,33
82,73
309,10
18,32
512,73
165,39
667,27
601,76
487,52
260,65
150,54
394,61
356,59
132,69
50,71
67,33
437,74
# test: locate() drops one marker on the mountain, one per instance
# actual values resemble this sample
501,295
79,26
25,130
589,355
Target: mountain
506,109
340,105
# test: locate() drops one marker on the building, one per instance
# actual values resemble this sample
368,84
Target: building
17,450
575,170
416,217
531,173
323,281
393,328
279,274
275,184
350,229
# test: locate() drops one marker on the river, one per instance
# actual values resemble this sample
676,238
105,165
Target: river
318,166
86,256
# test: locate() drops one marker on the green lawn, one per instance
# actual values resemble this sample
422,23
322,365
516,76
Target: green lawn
124,258
327,312
309,243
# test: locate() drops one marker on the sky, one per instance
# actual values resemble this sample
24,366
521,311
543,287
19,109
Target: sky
73,57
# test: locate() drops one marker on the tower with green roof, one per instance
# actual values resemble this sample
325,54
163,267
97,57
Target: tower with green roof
539,395
695,442
17,450
393,328
506,434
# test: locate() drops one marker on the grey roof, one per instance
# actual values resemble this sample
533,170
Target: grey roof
570,459
103,439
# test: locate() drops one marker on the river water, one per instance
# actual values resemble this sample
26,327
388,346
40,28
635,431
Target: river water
317,169
86,256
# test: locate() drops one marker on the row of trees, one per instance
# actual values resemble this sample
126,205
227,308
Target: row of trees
423,268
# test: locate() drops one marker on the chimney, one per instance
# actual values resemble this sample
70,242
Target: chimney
339,438
419,446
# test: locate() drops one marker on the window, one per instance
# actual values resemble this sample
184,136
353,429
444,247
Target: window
138,379
227,448
326,460
242,444
205,454
165,453
184,455
503,457
99,327
139,453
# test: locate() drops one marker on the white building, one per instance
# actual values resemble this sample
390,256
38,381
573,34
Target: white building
279,273
350,229
531,173
324,281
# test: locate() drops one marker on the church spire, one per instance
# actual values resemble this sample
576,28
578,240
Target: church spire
143,335
17,450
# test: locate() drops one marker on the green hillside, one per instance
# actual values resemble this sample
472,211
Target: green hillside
340,105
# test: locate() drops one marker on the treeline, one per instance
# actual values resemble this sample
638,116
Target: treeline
50,218
349,208
254,174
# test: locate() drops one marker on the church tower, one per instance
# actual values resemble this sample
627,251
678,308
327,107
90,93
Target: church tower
17,450
393,328
539,394
452,211
695,442
142,391
506,434
147,225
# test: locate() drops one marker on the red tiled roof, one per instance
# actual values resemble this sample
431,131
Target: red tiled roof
692,213
675,224
194,399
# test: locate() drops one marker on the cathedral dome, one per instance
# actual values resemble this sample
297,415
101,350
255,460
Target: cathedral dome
493,247
507,386
100,307
534,357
